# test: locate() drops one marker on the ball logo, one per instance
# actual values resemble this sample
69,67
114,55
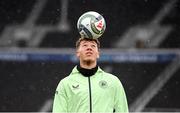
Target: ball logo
100,25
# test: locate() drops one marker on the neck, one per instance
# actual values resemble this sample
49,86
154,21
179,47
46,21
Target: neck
87,72
88,64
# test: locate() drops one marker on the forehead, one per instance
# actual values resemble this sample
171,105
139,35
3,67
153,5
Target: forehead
85,41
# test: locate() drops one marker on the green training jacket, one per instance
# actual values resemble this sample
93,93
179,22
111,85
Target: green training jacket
102,92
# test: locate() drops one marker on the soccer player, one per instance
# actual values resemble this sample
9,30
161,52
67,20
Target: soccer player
88,88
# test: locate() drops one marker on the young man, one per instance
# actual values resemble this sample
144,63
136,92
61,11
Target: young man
88,88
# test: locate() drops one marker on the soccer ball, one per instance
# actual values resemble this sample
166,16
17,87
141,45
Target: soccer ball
91,25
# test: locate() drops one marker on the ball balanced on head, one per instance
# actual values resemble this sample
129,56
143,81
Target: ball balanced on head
91,25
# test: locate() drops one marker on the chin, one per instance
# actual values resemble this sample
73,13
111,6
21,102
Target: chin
89,60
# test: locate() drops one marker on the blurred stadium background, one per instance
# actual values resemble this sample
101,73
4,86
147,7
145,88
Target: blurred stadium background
140,45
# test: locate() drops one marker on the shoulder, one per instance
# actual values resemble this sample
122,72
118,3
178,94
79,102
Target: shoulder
65,81
110,76
73,72
62,83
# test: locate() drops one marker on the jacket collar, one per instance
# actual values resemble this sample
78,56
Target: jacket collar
76,71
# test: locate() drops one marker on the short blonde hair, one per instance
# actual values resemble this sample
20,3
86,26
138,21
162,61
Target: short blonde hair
87,39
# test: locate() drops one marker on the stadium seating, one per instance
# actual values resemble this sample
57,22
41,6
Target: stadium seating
26,86
167,97
31,85
14,12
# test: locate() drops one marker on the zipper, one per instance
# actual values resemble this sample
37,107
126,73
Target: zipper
90,99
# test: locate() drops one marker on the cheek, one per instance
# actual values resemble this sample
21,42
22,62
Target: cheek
79,53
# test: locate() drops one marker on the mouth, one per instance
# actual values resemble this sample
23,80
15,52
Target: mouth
89,53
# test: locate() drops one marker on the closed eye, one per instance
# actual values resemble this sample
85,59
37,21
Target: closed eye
93,46
84,45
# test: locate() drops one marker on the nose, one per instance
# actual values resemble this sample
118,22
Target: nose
89,47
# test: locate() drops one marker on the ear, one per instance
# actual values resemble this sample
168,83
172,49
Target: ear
77,53
98,55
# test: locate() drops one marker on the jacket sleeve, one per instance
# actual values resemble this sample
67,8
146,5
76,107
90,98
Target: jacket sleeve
121,104
60,100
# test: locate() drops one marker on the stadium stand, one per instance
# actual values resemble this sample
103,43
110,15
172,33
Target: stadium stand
165,98
123,18
26,85
14,12
172,40
31,85
50,14
53,39
144,73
